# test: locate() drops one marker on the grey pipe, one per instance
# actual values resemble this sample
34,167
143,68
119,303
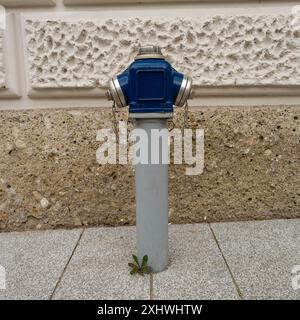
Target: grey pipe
151,182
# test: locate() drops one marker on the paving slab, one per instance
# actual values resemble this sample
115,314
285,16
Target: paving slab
99,267
197,269
34,262
261,256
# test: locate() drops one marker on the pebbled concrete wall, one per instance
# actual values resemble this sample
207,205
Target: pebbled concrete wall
50,177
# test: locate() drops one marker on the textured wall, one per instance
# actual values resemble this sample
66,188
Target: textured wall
49,176
215,51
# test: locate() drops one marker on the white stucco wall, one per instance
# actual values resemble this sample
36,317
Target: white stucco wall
62,53
214,51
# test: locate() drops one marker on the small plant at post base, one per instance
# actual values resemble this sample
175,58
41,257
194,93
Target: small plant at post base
136,268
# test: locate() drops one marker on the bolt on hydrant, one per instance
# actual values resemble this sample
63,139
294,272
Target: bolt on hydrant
150,86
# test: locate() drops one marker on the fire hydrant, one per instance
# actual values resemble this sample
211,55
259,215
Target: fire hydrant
150,86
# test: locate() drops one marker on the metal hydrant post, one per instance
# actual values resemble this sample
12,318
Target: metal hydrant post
150,86
151,183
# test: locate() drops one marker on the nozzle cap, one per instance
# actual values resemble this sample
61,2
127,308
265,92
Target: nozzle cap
149,52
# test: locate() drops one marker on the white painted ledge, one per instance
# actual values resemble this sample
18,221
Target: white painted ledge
20,3
85,2
89,2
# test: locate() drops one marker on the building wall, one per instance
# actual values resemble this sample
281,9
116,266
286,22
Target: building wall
55,60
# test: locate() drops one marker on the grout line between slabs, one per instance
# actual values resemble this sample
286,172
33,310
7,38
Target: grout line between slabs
67,264
227,265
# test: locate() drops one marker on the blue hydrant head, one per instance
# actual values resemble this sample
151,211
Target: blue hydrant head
150,84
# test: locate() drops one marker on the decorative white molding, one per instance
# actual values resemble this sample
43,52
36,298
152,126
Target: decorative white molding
88,2
9,62
15,3
2,63
216,51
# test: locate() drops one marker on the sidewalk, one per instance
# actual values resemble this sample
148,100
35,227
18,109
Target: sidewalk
235,260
